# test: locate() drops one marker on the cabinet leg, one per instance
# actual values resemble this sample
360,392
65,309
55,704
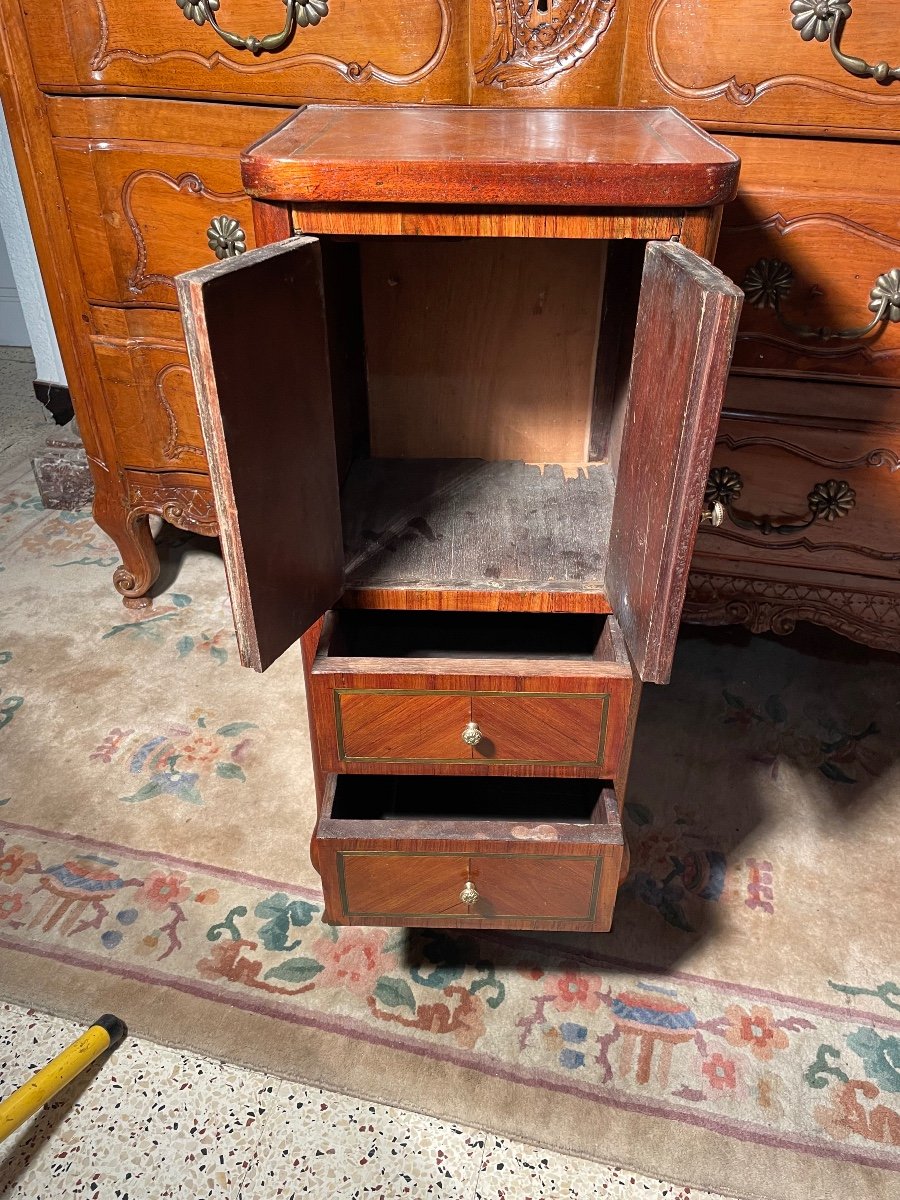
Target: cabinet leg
134,541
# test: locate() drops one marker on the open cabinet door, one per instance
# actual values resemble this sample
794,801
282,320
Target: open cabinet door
686,326
257,339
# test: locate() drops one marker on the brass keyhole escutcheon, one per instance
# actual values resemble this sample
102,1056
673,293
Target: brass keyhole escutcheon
469,895
472,735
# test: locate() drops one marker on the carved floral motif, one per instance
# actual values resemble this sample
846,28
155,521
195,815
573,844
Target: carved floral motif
535,40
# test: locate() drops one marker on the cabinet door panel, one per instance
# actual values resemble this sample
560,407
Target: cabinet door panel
257,339
686,326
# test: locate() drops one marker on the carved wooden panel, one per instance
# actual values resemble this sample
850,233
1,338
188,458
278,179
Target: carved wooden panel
149,395
738,63
547,52
357,51
774,475
832,216
183,500
144,210
868,613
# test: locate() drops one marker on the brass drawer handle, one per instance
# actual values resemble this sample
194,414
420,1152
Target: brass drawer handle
713,515
828,501
469,895
824,21
472,735
300,14
769,281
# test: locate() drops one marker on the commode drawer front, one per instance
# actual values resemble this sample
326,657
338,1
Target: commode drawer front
153,188
765,63
411,850
334,50
817,253
820,493
389,691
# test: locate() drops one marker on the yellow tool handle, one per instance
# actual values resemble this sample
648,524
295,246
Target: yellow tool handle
25,1101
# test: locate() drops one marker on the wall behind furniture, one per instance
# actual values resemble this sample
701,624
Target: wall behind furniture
25,272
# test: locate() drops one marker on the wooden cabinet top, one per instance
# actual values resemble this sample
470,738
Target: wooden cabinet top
598,158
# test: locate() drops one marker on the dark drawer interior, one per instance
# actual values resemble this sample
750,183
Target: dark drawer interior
360,633
479,798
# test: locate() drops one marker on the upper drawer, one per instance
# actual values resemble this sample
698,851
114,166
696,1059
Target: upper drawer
415,51
734,63
813,233
143,210
478,691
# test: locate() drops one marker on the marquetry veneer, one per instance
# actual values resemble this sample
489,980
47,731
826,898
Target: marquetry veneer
459,441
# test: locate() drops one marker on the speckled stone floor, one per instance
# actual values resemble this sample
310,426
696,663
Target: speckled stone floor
152,1123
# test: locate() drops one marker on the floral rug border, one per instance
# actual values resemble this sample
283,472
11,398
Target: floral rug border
666,1013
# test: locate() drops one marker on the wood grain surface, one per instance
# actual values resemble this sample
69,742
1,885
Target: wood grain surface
466,524
686,325
255,329
477,156
483,348
742,65
539,869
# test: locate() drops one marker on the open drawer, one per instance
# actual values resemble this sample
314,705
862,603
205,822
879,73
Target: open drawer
483,691
495,852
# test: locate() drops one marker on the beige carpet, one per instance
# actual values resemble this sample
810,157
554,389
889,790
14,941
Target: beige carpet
739,1029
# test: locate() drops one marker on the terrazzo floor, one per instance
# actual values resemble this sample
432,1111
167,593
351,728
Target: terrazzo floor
152,1123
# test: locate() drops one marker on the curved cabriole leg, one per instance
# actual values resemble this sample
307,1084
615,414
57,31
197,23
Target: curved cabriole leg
134,541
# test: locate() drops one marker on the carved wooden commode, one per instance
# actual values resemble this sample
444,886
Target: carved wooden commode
459,420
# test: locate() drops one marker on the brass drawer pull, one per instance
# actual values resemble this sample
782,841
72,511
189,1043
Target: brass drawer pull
225,237
769,281
713,515
472,735
824,21
469,895
828,501
300,14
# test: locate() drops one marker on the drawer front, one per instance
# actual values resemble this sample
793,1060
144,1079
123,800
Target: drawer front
743,63
408,887
149,392
409,724
530,872
367,52
806,495
396,726
816,251
142,211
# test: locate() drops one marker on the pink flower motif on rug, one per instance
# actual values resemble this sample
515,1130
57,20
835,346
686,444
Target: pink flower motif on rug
756,1030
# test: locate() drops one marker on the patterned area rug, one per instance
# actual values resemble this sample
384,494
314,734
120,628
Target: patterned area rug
739,1029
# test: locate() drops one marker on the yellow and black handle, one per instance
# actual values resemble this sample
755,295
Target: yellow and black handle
105,1034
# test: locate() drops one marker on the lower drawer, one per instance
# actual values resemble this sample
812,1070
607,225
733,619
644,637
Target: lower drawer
808,492
495,852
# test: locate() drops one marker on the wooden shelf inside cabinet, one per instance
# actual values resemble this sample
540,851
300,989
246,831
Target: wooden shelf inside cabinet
488,388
